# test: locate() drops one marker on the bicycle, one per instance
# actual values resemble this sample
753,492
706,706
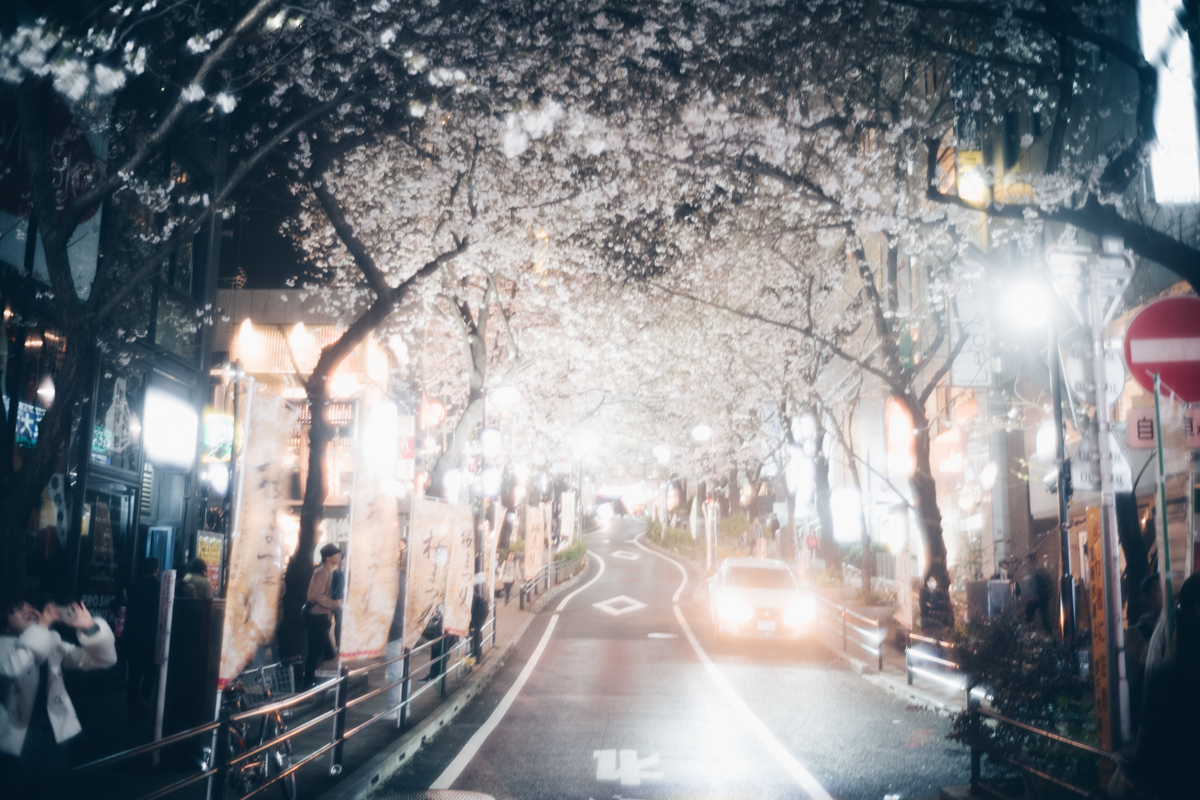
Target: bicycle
249,734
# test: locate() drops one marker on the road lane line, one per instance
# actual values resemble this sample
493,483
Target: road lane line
773,745
460,762
566,599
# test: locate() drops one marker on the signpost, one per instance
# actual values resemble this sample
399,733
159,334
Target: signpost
162,650
1092,285
1162,349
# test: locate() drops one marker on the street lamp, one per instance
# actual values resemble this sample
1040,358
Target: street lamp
702,433
662,455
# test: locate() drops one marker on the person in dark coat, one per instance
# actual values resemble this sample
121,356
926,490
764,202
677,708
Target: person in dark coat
479,615
937,617
140,637
1164,757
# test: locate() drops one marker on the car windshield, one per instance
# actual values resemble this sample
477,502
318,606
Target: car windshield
759,578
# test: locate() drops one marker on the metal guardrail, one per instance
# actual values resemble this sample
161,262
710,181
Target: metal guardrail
863,632
924,650
550,574
977,783
217,772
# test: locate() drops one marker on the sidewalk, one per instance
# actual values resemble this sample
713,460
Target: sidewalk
431,707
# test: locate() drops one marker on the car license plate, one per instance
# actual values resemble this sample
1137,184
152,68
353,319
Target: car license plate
766,625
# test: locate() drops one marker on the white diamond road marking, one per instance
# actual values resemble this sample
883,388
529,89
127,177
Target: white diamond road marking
631,771
627,604
626,555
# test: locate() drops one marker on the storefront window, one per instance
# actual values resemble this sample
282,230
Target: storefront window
106,545
116,439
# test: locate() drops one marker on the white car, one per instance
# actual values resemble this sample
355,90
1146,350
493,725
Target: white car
758,598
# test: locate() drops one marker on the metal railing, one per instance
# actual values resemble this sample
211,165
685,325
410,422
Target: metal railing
551,574
218,770
978,785
863,632
922,652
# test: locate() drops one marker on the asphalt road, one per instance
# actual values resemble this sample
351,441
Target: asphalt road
638,704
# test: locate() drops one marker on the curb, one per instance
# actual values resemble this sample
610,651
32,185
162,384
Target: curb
363,782
900,688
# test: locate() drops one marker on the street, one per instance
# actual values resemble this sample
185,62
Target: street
619,692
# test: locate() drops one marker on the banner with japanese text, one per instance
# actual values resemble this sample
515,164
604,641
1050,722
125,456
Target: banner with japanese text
435,524
255,547
373,584
535,540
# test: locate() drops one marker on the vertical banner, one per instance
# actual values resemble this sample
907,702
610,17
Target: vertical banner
567,524
255,548
490,566
1104,736
460,574
428,563
374,581
535,540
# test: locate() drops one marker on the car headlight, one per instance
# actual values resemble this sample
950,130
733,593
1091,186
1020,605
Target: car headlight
800,611
734,609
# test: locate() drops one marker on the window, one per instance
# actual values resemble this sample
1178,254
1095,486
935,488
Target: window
759,578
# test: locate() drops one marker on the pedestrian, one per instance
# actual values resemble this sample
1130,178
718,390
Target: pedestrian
1035,594
195,584
38,722
433,633
318,616
479,615
1137,644
140,639
937,617
1163,764
508,575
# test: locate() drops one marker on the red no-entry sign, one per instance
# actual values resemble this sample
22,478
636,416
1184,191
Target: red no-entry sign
1164,339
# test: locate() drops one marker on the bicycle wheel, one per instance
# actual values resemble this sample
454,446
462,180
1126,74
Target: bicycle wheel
279,759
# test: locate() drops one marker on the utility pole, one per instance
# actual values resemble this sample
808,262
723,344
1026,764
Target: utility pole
1092,285
1066,592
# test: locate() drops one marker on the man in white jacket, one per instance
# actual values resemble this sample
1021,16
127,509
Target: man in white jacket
38,720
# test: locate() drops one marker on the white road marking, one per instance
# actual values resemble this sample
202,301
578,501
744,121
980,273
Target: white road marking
625,555
1163,351
632,770
621,604
772,745
460,762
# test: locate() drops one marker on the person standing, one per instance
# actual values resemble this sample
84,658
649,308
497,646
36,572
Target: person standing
318,617
479,615
508,575
195,584
140,638
38,721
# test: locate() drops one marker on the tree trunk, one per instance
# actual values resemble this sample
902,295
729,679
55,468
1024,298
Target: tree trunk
463,433
829,546
300,568
924,488
1137,561
22,487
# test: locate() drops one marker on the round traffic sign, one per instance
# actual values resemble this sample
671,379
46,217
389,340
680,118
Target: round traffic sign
1164,339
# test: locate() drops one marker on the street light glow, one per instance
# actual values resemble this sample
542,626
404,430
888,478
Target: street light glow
662,454
702,433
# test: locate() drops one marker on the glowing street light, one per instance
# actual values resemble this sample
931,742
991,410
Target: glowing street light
662,454
702,433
